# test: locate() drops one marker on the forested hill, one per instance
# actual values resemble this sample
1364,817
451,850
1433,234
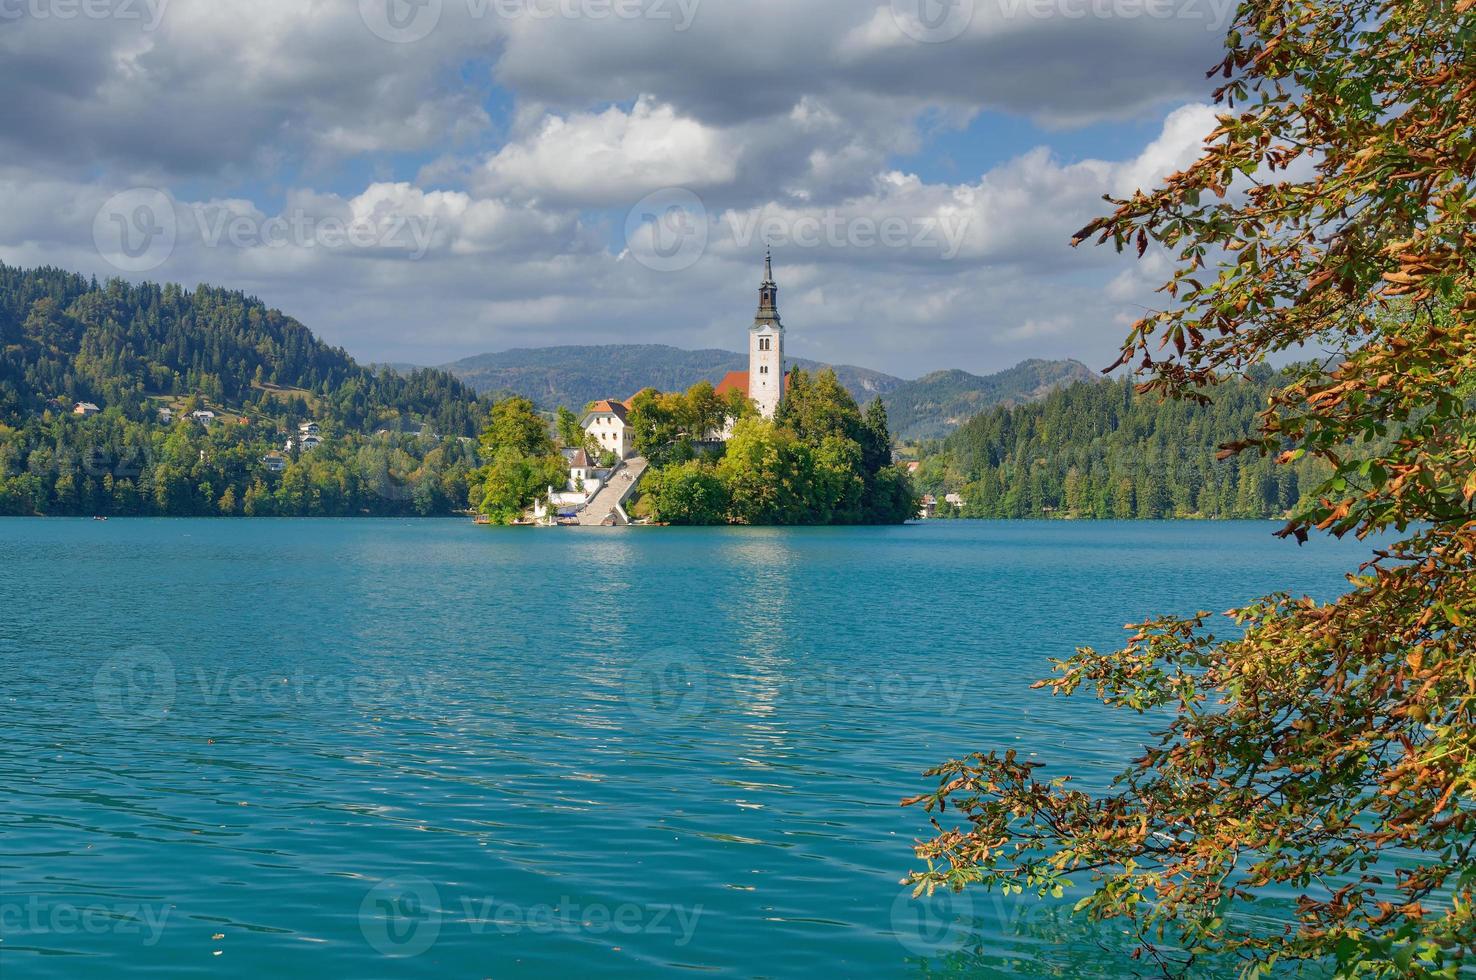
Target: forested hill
1104,451
64,338
936,404
148,356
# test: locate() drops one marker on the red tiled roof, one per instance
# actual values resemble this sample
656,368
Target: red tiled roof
733,381
738,381
607,407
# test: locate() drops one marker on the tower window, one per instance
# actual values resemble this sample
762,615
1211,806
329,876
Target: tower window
764,343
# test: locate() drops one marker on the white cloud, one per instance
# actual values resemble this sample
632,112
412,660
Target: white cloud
596,158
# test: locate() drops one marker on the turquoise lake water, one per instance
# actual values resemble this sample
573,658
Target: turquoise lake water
404,749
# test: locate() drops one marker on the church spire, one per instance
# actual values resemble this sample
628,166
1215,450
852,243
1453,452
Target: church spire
768,311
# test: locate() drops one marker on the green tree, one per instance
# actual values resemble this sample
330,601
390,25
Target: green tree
514,425
1323,748
690,493
768,473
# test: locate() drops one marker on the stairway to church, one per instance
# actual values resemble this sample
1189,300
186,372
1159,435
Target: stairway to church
608,506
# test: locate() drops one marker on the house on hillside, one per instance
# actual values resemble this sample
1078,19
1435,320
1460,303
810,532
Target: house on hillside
274,462
204,416
608,423
85,409
166,416
310,442
309,429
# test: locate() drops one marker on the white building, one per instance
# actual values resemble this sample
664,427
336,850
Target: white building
274,462
204,416
765,381
606,422
309,429
310,442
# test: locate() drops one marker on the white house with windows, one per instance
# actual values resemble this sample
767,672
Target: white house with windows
204,416
607,423
274,462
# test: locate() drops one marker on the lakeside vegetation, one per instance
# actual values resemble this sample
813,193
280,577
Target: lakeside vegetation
1104,450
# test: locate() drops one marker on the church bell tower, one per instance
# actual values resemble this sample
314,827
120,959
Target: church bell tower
766,347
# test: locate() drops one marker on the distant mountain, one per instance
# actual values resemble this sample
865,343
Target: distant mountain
576,376
936,404
927,408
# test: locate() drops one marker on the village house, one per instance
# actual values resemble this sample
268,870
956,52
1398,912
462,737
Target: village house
310,442
309,429
204,416
85,409
166,416
607,422
274,462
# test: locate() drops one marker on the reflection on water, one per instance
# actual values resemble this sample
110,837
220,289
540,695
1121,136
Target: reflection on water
423,748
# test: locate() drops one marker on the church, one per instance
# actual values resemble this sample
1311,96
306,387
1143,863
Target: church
765,380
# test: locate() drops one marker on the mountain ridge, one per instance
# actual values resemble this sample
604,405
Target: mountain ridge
921,408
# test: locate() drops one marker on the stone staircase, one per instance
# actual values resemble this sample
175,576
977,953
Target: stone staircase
608,506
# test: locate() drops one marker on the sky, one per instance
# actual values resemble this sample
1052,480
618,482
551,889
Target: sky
424,180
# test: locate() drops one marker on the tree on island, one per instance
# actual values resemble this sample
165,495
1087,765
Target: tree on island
819,461
1325,748
522,462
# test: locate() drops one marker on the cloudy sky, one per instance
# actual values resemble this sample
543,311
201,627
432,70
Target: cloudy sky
421,180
